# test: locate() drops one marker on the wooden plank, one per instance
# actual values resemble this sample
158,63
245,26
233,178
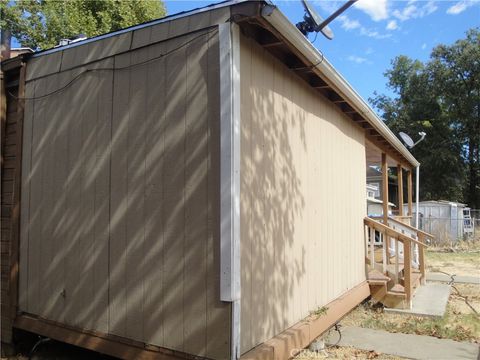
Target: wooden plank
258,257
400,189
48,298
154,261
34,302
247,172
174,196
135,216
25,223
119,198
60,232
72,265
421,254
100,342
102,179
196,196
3,116
15,230
385,187
88,89
410,193
407,259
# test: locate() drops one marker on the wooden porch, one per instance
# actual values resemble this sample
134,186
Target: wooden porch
395,261
394,249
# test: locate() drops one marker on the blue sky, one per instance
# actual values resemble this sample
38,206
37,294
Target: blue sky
373,32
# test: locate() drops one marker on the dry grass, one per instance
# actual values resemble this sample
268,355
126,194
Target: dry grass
341,352
462,259
460,323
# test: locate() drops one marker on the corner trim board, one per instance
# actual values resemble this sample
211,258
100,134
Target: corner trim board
229,36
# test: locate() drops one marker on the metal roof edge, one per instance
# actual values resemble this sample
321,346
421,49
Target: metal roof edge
281,23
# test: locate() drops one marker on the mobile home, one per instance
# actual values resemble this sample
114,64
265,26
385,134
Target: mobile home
194,185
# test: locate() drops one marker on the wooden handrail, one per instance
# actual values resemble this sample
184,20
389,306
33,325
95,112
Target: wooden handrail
390,232
410,227
394,233
387,234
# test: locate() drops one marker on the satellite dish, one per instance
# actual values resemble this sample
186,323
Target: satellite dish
312,22
406,139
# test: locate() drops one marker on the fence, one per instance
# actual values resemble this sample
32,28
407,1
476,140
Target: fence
449,230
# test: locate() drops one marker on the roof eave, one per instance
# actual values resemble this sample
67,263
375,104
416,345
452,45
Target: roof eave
295,38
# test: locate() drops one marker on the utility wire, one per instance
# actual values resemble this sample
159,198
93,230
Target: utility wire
337,327
113,69
465,298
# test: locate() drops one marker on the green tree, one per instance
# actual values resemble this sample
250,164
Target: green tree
456,72
40,24
442,98
416,108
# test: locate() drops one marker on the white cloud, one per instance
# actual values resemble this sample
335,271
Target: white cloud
348,24
424,46
376,9
328,6
460,7
392,25
414,11
373,33
357,59
430,7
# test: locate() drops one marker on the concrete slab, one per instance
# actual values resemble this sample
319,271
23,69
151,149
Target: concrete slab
408,346
434,276
429,300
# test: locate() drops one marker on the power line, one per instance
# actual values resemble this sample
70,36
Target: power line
114,68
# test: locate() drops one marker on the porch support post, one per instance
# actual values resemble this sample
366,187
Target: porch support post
400,189
385,188
409,190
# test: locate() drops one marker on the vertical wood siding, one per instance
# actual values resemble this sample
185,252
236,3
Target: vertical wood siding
302,198
120,229
9,176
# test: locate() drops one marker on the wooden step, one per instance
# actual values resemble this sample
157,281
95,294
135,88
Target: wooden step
398,289
415,279
395,299
378,285
376,277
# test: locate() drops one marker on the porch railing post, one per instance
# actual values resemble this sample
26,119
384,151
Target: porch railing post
407,271
400,189
410,194
421,258
385,188
372,247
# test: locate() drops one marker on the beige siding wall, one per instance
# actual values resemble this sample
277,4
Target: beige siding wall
302,198
120,229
